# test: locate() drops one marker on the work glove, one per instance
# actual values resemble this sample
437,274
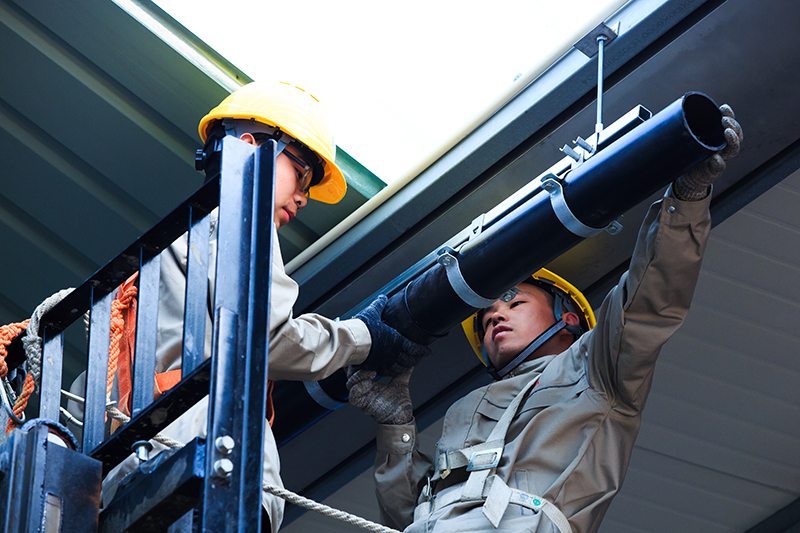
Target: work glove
387,403
391,353
693,185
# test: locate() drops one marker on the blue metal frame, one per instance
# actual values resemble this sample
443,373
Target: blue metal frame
235,376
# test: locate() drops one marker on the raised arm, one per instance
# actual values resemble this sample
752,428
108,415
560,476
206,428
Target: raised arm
652,299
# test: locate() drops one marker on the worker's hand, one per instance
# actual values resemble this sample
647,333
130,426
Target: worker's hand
391,353
387,403
693,185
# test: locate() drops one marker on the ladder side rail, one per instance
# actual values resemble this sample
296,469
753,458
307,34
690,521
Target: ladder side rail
94,409
197,291
253,385
52,368
224,482
144,363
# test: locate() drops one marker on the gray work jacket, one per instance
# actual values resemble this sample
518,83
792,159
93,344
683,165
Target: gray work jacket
572,437
308,347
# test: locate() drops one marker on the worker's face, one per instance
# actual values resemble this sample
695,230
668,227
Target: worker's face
511,326
291,193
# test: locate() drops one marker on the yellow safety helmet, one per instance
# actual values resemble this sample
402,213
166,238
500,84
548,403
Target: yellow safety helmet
297,113
571,297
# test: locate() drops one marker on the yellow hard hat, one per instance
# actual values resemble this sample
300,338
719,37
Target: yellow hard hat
573,300
297,113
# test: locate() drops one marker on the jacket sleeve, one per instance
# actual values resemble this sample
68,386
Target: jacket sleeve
401,470
304,348
650,302
308,347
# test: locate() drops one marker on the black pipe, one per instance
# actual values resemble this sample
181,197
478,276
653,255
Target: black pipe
599,190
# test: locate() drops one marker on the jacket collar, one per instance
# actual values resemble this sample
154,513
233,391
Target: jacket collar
536,366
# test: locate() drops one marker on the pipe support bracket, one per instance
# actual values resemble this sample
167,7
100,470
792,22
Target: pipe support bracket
563,212
458,283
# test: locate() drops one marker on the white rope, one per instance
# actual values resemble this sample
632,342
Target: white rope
327,511
277,491
119,416
33,342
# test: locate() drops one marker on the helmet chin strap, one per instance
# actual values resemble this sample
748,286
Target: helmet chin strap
207,158
524,354
238,127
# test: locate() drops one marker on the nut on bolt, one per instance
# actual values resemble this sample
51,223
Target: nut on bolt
142,449
549,185
223,468
225,444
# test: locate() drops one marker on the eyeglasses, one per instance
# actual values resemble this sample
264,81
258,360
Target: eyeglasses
303,177
306,177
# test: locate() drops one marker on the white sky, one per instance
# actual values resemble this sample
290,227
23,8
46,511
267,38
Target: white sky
399,78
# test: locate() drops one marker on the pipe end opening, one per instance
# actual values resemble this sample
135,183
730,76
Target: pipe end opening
704,120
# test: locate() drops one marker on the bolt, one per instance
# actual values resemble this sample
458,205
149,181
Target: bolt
142,449
671,209
223,468
549,185
446,260
225,444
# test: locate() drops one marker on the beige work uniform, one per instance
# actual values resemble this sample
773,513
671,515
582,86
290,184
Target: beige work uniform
571,439
309,347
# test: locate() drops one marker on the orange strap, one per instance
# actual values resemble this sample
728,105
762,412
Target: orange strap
123,341
270,407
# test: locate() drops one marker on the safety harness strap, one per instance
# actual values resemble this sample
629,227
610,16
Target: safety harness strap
487,454
480,454
498,496
483,484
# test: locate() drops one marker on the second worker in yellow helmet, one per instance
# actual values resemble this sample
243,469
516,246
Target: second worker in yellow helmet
546,447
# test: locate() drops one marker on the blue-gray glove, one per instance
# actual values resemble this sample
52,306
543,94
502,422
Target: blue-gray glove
387,403
391,353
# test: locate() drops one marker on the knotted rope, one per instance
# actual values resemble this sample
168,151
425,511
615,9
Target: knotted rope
32,341
33,352
7,334
120,304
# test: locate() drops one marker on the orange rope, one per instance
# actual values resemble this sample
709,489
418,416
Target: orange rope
22,402
7,334
121,343
126,297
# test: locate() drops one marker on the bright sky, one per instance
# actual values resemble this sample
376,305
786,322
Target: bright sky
399,78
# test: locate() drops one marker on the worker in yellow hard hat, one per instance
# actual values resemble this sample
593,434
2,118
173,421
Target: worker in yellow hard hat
546,446
498,345
309,347
291,116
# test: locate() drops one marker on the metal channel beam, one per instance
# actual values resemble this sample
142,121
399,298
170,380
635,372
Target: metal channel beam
155,498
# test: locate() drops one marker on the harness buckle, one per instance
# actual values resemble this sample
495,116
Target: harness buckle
444,465
484,459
